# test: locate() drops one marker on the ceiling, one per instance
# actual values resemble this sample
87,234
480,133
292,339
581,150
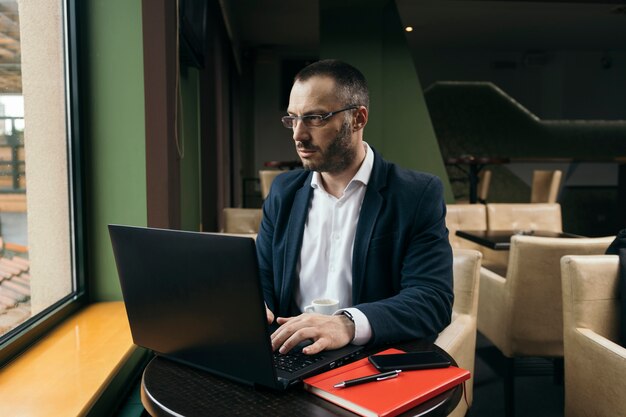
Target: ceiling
515,25
512,25
446,23
273,23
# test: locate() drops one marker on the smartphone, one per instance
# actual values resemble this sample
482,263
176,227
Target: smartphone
410,360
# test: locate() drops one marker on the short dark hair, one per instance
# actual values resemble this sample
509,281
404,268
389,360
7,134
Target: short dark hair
350,82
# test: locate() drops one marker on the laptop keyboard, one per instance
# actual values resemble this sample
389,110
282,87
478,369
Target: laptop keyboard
294,361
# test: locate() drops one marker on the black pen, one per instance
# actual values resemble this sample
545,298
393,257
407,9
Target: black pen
369,378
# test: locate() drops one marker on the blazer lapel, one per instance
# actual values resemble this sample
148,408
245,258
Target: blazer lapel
293,243
370,209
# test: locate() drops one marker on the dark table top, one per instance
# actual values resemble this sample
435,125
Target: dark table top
172,389
476,160
501,239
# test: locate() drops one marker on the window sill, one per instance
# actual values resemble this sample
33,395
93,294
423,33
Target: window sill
72,370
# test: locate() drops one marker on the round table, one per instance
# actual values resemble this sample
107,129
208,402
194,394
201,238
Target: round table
475,164
172,389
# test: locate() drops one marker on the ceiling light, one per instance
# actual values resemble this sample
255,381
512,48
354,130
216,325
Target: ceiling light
409,28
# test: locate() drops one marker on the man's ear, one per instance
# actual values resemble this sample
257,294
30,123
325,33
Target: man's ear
360,118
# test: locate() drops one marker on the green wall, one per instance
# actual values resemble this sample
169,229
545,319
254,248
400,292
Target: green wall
112,104
369,35
114,134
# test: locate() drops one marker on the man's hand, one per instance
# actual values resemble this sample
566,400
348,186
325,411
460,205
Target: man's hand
327,332
270,315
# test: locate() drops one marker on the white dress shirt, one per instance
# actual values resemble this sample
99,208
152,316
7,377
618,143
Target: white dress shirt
325,264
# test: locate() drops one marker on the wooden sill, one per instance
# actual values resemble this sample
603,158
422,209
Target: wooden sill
69,371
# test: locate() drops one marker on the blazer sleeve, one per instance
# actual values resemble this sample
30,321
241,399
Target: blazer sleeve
264,253
421,304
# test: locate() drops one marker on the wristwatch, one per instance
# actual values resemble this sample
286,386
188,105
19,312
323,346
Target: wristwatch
348,315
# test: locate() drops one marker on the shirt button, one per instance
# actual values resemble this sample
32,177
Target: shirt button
337,237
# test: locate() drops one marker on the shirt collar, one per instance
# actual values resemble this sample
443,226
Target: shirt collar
362,175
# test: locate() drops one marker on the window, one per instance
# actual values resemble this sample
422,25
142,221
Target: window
40,219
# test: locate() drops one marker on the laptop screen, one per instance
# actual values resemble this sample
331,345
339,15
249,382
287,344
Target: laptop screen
195,298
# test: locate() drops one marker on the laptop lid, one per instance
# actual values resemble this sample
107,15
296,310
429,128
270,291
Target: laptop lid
196,298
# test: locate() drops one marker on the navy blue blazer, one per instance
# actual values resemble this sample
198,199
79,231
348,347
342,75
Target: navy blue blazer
401,261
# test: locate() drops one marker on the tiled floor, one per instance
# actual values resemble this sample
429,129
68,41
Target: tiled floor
132,407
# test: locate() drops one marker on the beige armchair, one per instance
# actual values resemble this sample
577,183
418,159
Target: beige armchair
242,220
524,216
266,176
521,313
545,186
459,338
465,217
595,366
521,216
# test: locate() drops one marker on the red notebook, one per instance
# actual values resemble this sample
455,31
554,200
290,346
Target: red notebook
386,398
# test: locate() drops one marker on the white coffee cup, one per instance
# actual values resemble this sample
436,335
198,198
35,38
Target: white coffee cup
322,306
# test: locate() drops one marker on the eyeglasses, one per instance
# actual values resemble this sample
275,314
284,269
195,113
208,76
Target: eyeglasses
312,120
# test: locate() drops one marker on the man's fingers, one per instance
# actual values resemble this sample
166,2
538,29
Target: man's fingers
297,337
327,332
283,333
269,314
283,320
319,345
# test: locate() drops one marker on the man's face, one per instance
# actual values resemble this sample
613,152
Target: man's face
328,148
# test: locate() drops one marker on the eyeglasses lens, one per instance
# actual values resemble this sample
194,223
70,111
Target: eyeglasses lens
312,120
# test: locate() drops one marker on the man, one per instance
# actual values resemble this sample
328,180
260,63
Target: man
350,226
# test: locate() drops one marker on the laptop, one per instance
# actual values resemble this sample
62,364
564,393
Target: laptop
196,298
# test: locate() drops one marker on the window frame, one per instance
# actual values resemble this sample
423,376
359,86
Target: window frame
20,338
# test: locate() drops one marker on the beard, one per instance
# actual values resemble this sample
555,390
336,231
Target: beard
338,156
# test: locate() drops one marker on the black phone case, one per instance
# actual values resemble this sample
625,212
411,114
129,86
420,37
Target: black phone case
443,363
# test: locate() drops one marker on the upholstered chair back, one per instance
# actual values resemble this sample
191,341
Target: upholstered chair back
522,313
545,186
484,183
266,176
523,216
242,220
465,217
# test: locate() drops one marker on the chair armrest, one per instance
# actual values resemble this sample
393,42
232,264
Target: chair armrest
492,276
594,374
458,339
604,346
494,309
